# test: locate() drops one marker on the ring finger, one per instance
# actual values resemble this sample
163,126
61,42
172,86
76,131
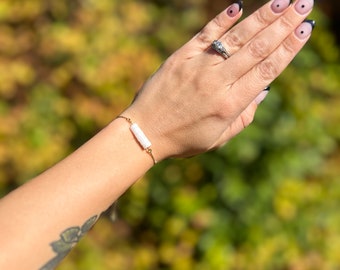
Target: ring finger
240,34
266,41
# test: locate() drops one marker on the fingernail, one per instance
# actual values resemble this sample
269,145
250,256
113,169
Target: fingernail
280,5
304,6
305,29
234,9
262,95
267,88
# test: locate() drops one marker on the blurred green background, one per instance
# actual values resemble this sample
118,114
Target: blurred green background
269,199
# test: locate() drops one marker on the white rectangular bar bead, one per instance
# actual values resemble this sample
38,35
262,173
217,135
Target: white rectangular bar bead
140,136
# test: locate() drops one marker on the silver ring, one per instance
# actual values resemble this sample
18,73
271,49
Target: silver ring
218,47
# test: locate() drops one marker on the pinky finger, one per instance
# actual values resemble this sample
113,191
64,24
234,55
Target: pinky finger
243,120
260,97
240,123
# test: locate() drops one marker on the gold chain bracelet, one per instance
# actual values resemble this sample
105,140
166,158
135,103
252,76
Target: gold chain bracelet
140,137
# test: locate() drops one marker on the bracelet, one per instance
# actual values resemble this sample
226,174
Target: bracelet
140,137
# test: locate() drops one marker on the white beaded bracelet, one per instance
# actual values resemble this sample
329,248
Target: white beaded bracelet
140,137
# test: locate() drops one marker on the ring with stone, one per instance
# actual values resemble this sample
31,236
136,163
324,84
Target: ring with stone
218,47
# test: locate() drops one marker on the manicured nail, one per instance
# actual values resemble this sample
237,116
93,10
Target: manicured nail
280,5
305,29
262,95
304,6
234,9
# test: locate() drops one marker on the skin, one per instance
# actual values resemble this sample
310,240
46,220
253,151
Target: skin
205,101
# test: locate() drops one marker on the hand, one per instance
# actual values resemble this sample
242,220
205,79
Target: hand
198,100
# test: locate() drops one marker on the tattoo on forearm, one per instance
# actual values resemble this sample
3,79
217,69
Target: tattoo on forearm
68,239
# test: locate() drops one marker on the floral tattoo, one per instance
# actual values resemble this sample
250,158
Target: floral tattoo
68,239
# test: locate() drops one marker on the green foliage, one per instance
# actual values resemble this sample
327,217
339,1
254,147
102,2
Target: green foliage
267,200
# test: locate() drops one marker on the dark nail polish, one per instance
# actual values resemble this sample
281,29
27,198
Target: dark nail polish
234,9
305,28
311,22
240,5
280,5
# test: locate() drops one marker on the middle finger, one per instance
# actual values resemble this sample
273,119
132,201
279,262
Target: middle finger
240,34
266,41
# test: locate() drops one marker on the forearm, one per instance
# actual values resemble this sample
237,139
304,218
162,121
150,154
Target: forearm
67,195
184,113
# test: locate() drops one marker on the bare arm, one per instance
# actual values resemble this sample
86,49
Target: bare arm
195,102
70,194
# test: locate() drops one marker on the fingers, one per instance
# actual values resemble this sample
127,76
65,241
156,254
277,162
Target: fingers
267,40
244,90
238,36
244,119
250,26
213,30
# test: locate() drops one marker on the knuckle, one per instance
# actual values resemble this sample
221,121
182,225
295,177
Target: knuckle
222,109
204,37
233,40
230,108
258,48
289,46
286,23
218,22
261,17
247,119
223,113
267,70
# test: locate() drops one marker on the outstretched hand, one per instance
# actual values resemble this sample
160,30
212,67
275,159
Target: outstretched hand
199,99
195,102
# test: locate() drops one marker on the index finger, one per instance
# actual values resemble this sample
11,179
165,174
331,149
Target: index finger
213,30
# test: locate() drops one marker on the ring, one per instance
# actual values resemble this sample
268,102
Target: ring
218,47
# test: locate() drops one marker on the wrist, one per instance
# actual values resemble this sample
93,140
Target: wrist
159,149
140,137
139,142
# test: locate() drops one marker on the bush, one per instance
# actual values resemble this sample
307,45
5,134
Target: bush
267,200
